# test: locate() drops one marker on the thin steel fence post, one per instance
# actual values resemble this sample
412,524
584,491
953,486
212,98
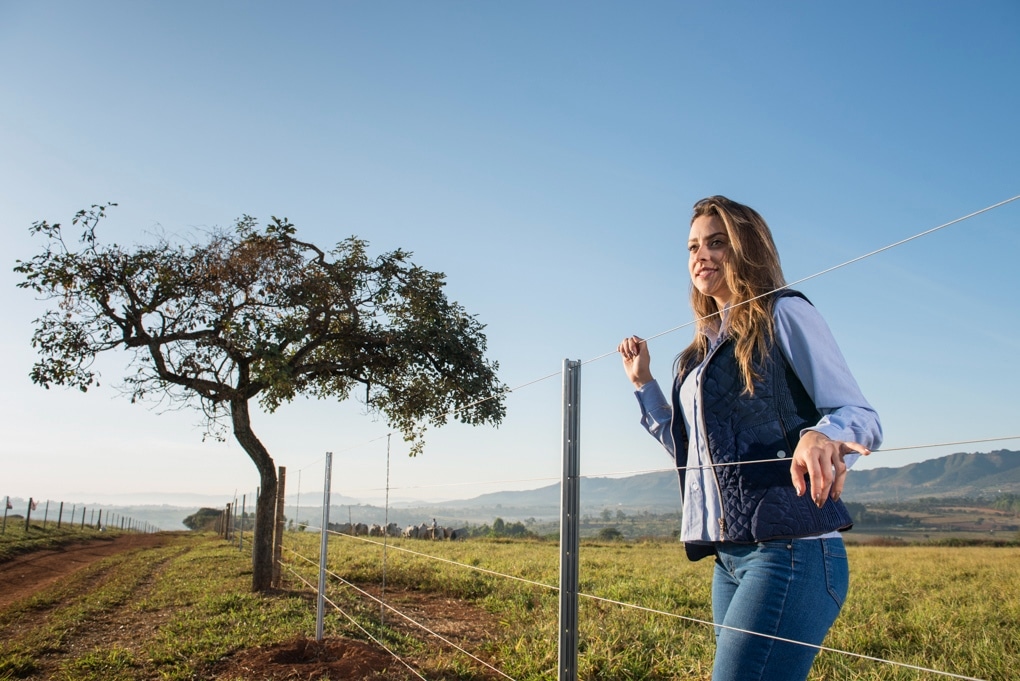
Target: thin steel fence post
569,520
320,606
240,538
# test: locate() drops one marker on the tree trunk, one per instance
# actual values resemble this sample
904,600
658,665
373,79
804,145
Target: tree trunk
265,507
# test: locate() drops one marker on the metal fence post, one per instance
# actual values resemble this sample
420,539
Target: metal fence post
240,538
281,523
569,520
320,606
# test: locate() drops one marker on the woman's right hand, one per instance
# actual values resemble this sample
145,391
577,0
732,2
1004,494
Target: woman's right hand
636,360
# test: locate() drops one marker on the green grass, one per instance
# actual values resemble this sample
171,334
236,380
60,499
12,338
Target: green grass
196,587
102,665
16,540
953,609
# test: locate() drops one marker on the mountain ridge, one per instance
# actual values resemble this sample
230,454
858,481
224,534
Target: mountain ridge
963,474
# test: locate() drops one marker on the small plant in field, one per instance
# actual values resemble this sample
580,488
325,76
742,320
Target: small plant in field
609,534
104,665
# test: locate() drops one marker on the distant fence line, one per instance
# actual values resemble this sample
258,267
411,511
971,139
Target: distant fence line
91,517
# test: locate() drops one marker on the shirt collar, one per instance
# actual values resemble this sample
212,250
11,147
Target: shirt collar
718,335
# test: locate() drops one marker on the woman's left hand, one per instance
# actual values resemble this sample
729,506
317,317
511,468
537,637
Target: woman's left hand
821,459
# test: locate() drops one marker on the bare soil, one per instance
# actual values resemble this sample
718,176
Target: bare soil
298,659
23,575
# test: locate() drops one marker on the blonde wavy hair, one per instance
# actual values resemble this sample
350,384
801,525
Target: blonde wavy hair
752,270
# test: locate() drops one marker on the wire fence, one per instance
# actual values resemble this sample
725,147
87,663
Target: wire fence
297,558
351,598
299,562
41,514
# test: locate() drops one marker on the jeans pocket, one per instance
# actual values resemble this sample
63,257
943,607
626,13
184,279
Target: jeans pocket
837,570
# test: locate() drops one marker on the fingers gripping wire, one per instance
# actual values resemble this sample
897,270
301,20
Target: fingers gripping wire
755,461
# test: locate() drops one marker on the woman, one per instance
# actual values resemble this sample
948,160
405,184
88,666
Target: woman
764,420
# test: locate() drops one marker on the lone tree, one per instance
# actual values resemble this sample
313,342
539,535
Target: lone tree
255,312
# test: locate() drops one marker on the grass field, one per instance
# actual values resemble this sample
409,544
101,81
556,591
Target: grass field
951,609
16,540
173,612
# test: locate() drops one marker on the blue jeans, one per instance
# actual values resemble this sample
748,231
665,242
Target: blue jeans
787,589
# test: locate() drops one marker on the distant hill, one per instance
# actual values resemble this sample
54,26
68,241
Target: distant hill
658,492
957,475
974,475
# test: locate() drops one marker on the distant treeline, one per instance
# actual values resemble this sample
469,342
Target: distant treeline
1009,503
865,517
618,524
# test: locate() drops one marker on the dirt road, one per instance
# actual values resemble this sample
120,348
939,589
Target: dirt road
23,575
130,629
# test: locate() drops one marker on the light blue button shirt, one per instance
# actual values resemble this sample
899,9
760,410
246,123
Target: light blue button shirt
808,345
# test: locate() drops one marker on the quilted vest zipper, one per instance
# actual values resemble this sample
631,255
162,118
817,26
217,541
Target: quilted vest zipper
711,459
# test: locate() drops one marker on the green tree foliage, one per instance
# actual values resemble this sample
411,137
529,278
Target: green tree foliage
254,312
501,528
203,519
1007,502
609,534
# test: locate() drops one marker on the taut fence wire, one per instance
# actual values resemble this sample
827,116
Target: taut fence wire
571,674
592,597
387,606
385,545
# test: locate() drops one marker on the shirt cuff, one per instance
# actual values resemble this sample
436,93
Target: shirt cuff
655,408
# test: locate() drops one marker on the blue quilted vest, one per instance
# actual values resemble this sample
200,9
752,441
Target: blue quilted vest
758,499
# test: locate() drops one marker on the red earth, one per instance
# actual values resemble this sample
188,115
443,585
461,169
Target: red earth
23,575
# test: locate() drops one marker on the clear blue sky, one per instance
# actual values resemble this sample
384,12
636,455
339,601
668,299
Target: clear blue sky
545,156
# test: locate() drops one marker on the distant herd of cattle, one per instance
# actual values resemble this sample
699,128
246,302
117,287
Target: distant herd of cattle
423,531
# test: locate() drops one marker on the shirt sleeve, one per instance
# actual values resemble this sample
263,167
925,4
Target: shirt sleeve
656,414
807,343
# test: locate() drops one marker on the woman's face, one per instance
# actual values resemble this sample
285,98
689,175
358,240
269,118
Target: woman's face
709,248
